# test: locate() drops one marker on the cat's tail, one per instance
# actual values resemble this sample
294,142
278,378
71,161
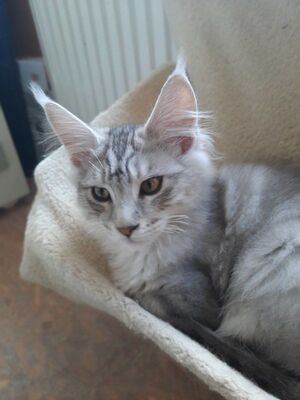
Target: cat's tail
268,377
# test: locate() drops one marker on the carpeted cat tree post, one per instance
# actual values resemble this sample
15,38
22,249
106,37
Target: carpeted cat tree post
243,58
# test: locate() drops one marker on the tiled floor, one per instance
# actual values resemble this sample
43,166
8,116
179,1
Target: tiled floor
51,349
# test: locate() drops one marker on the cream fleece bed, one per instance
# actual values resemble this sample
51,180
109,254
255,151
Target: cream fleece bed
60,255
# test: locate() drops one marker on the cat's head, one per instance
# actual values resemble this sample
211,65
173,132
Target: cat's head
140,181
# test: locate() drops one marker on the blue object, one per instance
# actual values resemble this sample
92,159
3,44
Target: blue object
11,96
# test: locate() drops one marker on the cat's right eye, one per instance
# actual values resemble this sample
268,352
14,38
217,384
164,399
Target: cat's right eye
100,194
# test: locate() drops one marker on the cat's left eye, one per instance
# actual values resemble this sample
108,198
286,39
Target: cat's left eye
151,186
100,194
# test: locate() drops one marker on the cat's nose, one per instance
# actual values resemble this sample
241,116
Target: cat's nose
127,230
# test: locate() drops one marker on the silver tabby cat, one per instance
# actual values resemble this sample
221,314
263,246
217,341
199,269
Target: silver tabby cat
213,251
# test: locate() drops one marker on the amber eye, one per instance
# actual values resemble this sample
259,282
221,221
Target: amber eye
100,194
151,186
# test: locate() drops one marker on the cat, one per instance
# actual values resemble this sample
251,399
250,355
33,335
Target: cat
213,251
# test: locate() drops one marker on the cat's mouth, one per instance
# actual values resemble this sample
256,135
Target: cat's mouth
148,232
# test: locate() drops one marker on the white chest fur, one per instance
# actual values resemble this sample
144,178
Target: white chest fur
141,265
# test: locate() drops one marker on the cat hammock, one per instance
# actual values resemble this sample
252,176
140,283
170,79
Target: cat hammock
60,255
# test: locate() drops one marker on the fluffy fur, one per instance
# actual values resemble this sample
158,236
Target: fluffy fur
213,247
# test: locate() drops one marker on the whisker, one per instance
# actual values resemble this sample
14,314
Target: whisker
173,228
179,220
94,167
97,158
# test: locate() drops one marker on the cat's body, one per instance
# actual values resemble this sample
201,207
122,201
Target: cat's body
259,258
245,239
195,245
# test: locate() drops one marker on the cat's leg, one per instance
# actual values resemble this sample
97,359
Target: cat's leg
184,294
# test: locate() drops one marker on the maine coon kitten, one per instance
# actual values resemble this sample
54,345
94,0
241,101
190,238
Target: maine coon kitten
205,249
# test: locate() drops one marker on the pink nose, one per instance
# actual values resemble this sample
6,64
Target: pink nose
127,230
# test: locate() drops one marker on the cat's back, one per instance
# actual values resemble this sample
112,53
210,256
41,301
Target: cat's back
256,191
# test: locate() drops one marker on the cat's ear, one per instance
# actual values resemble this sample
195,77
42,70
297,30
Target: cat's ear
173,121
77,137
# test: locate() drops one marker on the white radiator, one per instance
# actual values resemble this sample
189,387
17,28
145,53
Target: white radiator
96,50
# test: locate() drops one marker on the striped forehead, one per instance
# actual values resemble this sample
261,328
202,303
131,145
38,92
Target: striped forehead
121,147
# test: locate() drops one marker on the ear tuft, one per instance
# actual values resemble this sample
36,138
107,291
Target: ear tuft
78,138
174,119
38,94
180,68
